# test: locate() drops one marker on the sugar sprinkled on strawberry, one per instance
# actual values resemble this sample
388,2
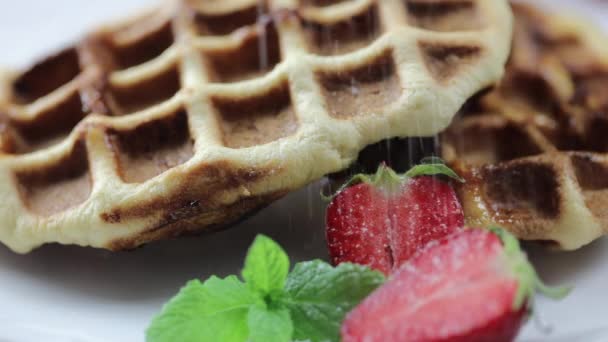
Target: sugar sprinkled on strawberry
475,285
383,220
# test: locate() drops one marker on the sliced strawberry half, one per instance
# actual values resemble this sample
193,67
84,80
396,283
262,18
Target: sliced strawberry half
385,218
472,286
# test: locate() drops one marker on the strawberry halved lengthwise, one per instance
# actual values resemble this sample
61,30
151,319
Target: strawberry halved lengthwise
475,285
385,218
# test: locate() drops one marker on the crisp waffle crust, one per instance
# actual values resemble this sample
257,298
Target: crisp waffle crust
533,150
196,113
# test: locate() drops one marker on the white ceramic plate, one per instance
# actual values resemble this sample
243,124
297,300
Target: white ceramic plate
60,293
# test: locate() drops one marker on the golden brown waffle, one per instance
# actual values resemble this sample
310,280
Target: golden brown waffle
533,150
194,114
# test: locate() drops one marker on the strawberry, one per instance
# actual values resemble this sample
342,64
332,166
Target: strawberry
475,285
383,220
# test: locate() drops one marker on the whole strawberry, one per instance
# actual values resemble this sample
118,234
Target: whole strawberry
473,286
385,218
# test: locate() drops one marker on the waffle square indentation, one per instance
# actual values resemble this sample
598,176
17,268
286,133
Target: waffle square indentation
219,24
257,120
49,127
46,76
57,187
490,141
592,177
523,190
444,61
145,93
144,48
364,90
322,3
152,148
258,54
443,15
340,37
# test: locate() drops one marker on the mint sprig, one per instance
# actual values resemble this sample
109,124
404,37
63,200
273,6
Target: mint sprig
266,266
214,310
270,305
319,295
269,324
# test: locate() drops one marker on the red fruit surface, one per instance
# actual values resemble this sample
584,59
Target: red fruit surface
381,229
357,228
460,288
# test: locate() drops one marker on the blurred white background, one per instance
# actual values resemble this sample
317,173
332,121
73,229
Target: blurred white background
30,28
74,294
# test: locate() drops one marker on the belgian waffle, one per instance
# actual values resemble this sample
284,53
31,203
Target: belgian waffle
196,113
533,150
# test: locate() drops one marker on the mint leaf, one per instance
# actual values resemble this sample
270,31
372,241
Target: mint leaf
269,325
266,266
318,297
308,304
215,310
433,169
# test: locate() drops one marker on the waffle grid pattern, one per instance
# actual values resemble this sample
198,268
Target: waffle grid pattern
198,112
533,150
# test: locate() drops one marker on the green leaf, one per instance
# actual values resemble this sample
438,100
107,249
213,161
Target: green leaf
318,297
266,266
433,169
388,179
432,160
356,179
215,310
269,325
309,304
528,279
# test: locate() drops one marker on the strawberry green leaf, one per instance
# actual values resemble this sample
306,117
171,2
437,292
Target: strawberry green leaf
388,179
433,169
432,160
356,179
266,266
384,177
528,279
269,325
215,310
319,295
